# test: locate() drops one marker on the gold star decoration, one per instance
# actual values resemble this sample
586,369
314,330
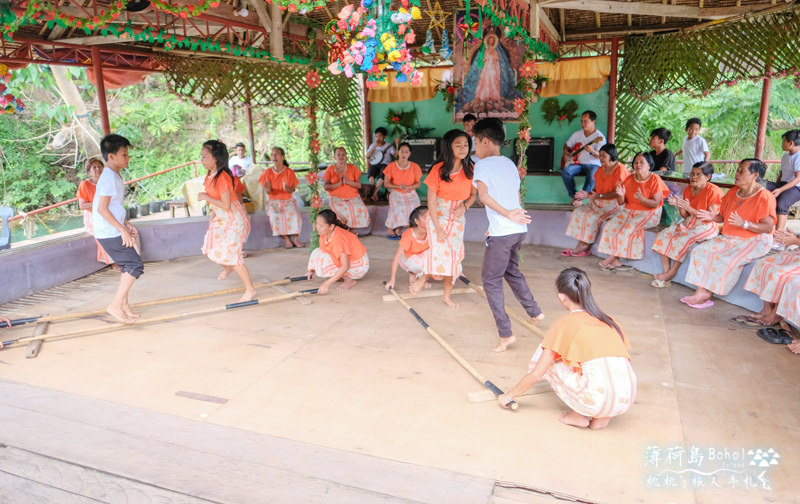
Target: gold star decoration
438,17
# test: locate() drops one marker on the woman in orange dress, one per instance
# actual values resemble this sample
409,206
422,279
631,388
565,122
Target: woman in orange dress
85,195
643,195
412,251
584,357
674,242
340,256
748,217
789,307
279,183
227,225
769,278
342,180
450,194
602,204
401,179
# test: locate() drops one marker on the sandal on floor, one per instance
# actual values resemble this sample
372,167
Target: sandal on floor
776,337
701,306
744,320
660,284
566,252
585,253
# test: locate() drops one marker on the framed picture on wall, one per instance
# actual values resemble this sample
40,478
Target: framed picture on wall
486,66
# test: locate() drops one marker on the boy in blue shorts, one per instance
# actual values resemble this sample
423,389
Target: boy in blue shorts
111,228
497,180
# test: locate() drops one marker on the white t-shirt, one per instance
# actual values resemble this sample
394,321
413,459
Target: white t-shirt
239,165
693,152
502,181
790,165
584,157
109,184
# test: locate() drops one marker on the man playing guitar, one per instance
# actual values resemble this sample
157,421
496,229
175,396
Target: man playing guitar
581,154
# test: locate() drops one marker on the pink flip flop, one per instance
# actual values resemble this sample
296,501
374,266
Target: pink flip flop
582,254
566,252
707,304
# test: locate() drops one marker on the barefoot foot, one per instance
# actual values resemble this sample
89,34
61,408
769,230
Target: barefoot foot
504,343
119,315
346,284
226,270
248,295
537,318
126,309
794,346
573,418
449,302
599,423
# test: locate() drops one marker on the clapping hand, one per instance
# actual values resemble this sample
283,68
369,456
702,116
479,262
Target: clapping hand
736,220
620,190
706,215
639,195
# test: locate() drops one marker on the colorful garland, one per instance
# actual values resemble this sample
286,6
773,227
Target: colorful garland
300,6
38,11
9,103
184,11
312,177
530,84
513,28
448,90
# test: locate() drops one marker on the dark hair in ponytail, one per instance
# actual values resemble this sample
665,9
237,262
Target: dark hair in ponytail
415,215
331,219
219,152
573,283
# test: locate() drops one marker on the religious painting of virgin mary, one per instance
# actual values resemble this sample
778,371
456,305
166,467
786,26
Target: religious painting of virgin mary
488,72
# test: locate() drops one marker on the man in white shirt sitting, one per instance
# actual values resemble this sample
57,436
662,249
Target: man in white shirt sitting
581,154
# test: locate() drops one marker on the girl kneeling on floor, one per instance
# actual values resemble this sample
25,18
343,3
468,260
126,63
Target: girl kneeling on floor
584,357
340,256
412,252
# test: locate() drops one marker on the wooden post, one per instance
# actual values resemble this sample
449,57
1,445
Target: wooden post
101,90
612,91
366,113
276,34
252,137
763,115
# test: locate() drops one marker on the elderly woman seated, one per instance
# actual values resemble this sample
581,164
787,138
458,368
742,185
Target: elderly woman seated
747,214
342,180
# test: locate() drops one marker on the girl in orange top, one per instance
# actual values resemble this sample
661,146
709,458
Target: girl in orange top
401,179
280,182
412,252
450,194
584,223
643,195
85,195
342,180
748,217
584,357
227,225
340,256
674,242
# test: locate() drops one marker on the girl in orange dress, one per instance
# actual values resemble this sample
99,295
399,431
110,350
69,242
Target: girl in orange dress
789,307
412,252
340,256
401,179
747,214
280,182
584,357
85,195
674,242
228,224
771,274
450,194
584,223
643,195
342,180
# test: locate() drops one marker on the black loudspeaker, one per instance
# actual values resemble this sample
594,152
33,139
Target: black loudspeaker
423,152
540,155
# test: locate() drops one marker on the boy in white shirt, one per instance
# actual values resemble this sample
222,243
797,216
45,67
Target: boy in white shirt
787,189
695,147
239,163
497,180
111,228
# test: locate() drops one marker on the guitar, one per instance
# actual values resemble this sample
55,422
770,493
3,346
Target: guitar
576,150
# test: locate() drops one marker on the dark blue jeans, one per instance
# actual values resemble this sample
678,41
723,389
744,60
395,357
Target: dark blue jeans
568,176
501,260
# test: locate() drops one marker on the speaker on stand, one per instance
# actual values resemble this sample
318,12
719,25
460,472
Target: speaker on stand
540,155
424,152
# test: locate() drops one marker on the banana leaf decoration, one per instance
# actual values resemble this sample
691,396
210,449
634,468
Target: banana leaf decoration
551,110
568,111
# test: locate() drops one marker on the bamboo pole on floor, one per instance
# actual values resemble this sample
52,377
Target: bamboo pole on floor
178,299
521,320
164,318
466,365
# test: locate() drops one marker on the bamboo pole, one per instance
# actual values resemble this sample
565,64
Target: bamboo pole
466,365
93,313
521,320
154,320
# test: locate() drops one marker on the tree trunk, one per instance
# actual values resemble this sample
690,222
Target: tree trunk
86,135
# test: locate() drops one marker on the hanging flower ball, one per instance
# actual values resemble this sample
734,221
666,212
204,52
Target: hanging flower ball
312,178
315,146
519,105
528,69
313,79
316,202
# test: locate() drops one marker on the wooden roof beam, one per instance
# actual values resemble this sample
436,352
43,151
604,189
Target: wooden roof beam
653,9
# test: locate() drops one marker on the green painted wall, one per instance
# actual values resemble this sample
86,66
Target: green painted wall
541,189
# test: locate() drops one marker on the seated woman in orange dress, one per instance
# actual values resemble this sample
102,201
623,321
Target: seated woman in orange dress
771,274
401,179
674,242
412,251
227,225
643,195
85,195
450,194
280,182
601,204
342,180
747,214
584,357
340,256
789,307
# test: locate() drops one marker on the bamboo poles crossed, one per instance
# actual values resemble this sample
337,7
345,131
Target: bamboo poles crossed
466,365
521,320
